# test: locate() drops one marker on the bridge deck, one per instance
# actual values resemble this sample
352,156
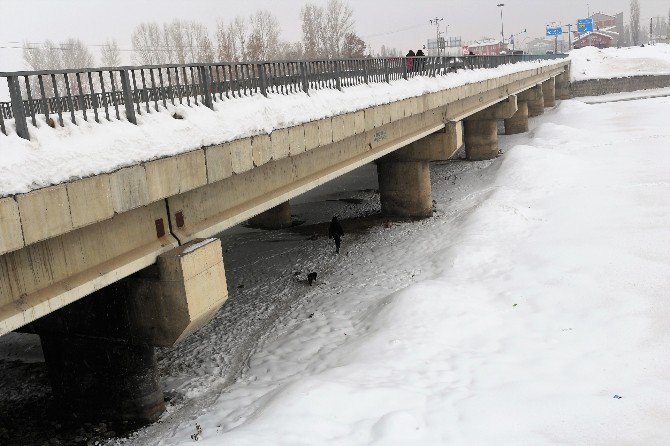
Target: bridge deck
60,243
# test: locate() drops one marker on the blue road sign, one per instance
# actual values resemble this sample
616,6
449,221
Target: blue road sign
554,31
585,25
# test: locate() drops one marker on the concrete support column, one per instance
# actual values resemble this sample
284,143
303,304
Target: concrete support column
536,105
101,379
278,217
481,130
404,188
563,85
549,92
481,139
99,350
519,122
404,175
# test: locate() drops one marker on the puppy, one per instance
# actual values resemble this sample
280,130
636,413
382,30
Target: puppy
311,277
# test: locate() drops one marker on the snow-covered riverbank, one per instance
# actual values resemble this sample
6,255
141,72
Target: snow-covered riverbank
594,63
532,309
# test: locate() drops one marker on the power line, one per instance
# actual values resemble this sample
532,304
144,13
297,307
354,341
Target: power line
407,28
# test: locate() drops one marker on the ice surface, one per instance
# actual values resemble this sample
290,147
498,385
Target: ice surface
593,63
537,293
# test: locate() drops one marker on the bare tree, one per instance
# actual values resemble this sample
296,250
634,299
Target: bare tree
354,47
110,55
291,51
339,22
200,44
388,52
149,45
635,21
231,40
313,31
187,42
263,41
225,44
73,53
626,36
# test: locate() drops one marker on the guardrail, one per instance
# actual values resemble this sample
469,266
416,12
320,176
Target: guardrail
125,92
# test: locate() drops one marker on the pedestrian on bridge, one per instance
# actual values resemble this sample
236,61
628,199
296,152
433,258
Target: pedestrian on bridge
420,61
335,231
409,62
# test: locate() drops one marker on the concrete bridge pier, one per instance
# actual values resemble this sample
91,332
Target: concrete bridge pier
101,379
519,122
563,85
404,175
404,188
549,92
99,350
278,217
481,129
535,100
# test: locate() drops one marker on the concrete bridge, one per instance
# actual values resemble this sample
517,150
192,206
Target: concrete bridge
107,267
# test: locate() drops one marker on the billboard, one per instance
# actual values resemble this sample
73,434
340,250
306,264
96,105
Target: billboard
585,25
554,31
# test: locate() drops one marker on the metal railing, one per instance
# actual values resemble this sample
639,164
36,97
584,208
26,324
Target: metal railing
125,92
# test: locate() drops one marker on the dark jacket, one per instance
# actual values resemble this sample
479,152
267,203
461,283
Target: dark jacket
335,230
410,60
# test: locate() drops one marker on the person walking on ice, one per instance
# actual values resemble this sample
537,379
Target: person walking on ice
335,231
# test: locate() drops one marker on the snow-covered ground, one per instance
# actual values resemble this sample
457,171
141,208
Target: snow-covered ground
593,63
531,309
53,156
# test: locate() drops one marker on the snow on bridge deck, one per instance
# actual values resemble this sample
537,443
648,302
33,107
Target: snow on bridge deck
55,156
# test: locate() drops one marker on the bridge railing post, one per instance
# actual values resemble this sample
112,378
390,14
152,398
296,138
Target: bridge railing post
206,82
338,74
262,78
366,78
387,78
127,96
304,76
18,109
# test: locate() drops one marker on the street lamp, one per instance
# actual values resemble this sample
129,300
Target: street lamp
502,24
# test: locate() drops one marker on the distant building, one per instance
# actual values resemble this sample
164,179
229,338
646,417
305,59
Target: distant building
488,47
607,32
596,39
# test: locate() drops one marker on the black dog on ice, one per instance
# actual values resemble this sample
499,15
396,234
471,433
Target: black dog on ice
311,277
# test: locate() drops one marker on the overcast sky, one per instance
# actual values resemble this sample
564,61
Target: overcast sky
397,23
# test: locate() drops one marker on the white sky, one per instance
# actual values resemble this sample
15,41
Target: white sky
395,23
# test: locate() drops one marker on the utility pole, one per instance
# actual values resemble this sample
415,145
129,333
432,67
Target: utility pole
502,23
436,21
569,37
651,30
